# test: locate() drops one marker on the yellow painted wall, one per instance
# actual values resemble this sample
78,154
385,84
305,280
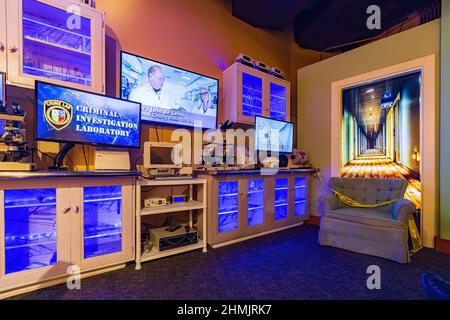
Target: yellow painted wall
314,87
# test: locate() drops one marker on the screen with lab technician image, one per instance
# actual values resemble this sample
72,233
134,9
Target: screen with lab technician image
274,135
169,95
69,115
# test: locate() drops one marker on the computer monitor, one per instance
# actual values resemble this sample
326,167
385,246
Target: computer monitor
163,155
274,135
74,116
169,95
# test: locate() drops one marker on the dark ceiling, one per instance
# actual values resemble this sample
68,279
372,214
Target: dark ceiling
323,25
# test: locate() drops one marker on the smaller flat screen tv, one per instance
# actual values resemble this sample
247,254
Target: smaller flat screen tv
274,135
75,116
169,95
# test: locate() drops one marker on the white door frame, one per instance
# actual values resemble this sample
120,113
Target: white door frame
428,135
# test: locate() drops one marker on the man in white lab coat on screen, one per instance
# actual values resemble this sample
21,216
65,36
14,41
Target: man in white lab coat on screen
152,93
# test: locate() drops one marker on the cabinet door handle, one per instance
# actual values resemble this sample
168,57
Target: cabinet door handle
66,210
2,47
77,209
13,49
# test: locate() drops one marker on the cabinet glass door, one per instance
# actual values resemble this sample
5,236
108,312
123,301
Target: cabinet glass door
300,197
102,223
228,206
56,43
255,202
252,95
278,102
281,198
30,229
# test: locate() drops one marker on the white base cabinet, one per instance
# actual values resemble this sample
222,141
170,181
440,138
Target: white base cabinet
48,226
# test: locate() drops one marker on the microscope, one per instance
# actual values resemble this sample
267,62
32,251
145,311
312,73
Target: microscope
13,147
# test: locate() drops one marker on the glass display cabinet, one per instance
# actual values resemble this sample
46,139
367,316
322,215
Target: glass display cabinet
281,198
102,220
56,41
278,100
252,95
249,92
83,222
243,206
228,206
103,223
30,229
255,202
300,205
35,233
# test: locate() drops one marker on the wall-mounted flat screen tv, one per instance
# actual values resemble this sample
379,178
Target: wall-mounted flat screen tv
274,135
75,116
169,95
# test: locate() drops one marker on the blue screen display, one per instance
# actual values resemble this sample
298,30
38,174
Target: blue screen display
68,115
169,95
274,135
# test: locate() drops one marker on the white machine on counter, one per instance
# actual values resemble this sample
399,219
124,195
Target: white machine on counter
164,160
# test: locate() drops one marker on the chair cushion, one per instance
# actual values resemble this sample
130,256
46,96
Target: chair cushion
371,217
370,191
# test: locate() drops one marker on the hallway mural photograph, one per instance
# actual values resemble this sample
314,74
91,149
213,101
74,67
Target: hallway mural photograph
381,131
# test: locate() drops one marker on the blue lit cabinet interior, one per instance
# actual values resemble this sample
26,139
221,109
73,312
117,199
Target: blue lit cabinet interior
252,95
279,95
291,200
256,203
227,221
249,92
281,202
301,197
103,223
35,238
55,41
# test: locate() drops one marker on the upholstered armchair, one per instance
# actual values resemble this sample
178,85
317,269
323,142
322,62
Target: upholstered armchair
381,232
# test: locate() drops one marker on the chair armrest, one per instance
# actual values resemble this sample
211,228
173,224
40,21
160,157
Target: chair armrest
402,209
328,202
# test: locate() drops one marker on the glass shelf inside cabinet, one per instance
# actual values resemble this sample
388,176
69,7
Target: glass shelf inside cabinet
300,197
252,95
281,198
228,206
278,96
255,202
56,43
102,220
30,229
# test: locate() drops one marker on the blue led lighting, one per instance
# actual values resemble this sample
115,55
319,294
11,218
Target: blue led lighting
252,95
281,198
102,221
228,206
255,202
30,229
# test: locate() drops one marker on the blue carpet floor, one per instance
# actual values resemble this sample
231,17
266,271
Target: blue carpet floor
285,265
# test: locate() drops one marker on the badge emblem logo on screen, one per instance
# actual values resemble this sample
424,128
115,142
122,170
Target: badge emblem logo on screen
58,113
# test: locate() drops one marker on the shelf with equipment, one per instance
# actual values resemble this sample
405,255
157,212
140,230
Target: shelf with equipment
195,207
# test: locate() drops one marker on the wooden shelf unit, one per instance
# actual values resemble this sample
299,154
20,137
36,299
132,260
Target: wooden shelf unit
195,202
